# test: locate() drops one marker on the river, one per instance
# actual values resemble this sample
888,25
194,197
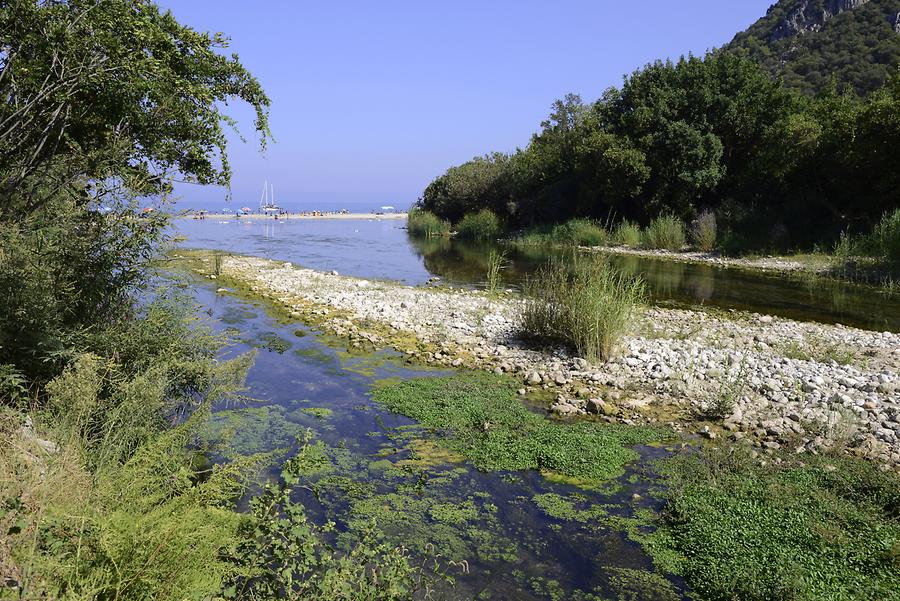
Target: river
383,250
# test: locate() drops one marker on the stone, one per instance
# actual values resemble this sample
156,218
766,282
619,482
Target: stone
601,407
534,378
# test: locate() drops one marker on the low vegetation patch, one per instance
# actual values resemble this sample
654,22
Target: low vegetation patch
479,416
424,223
703,231
589,307
482,225
627,233
825,529
579,232
665,232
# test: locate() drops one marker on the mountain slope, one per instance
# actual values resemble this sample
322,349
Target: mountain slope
809,41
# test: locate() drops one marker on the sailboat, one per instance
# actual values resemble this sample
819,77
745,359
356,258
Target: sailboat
267,200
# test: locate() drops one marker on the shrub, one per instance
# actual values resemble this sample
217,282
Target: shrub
884,240
482,225
589,309
703,231
420,222
579,232
627,233
666,231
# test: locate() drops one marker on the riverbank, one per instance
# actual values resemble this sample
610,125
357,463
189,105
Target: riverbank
314,215
777,383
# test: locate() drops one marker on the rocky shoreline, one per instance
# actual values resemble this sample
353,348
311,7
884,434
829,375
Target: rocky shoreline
777,383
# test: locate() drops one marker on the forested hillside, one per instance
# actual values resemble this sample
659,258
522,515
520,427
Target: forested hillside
809,42
714,134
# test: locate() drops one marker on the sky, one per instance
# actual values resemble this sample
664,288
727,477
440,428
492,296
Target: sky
373,100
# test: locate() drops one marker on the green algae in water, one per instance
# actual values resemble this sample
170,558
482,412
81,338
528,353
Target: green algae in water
317,412
479,415
565,507
270,341
315,354
250,430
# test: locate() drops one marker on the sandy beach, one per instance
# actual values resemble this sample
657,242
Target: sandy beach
301,216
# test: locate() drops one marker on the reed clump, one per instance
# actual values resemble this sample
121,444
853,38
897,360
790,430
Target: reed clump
665,232
420,222
589,307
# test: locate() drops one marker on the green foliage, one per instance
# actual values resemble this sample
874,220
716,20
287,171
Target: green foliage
479,415
825,530
482,225
579,232
883,241
666,231
628,233
497,263
694,138
589,307
858,48
703,231
116,89
420,222
282,554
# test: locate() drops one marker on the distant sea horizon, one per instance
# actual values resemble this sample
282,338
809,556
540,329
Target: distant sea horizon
291,206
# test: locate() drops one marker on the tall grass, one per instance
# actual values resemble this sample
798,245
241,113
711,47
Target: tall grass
666,232
483,225
579,232
884,240
589,307
420,222
703,231
627,233
575,232
497,264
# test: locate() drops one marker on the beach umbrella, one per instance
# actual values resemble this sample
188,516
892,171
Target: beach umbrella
247,209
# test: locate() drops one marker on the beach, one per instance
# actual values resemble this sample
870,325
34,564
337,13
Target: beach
301,216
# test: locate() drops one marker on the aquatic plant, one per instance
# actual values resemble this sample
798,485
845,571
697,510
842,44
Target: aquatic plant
664,232
282,554
827,528
480,416
497,263
420,222
627,233
703,231
588,306
482,225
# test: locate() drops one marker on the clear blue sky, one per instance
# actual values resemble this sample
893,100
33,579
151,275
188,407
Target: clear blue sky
372,100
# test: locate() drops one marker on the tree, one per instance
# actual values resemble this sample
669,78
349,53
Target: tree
105,101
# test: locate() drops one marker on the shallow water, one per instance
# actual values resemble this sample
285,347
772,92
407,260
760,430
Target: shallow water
383,250
486,528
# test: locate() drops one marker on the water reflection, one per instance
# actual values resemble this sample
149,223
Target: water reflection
383,250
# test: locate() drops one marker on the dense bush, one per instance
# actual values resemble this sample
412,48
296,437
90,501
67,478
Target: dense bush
425,223
482,225
589,307
665,232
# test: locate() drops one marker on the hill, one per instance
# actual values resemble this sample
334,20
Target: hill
809,41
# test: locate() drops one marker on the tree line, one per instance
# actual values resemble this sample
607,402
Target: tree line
717,134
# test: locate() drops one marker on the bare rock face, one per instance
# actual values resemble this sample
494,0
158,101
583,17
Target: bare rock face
811,15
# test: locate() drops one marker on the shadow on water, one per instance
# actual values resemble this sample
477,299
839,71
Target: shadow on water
383,250
501,535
